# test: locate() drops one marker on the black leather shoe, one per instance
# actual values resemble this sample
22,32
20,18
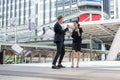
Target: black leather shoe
55,67
61,66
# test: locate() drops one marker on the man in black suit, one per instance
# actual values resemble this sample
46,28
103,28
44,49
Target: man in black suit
59,40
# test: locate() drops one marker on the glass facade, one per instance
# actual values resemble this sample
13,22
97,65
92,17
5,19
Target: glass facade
45,10
114,9
19,9
66,7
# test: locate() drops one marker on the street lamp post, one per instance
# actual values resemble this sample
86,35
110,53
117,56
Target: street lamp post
102,11
32,23
15,34
13,24
36,13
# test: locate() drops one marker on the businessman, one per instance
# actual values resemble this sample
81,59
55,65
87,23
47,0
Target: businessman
59,40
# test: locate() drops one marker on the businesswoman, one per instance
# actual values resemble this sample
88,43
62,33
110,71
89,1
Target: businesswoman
76,45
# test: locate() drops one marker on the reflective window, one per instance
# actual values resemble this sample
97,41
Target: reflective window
60,12
22,5
112,7
40,12
74,1
67,2
53,11
67,12
112,12
47,11
74,10
59,4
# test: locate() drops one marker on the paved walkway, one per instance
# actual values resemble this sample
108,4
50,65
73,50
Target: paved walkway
99,70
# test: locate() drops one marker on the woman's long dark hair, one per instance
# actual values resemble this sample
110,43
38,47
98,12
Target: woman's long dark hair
77,23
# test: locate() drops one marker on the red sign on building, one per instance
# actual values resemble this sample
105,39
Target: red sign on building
87,17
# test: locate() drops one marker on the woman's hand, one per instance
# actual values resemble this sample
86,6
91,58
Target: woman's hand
78,31
69,30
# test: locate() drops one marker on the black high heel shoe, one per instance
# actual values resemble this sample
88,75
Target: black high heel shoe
77,66
72,66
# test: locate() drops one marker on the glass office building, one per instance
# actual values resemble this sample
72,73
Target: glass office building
46,11
67,7
39,11
19,9
115,9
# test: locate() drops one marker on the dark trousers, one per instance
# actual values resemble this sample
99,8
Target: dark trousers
60,53
1,57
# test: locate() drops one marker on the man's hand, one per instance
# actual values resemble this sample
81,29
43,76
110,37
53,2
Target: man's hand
68,26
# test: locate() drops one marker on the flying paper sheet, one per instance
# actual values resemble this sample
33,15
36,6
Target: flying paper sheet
17,48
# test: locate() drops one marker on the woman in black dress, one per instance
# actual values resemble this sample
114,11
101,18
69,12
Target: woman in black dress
76,47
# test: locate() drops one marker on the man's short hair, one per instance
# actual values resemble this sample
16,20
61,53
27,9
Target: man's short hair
59,17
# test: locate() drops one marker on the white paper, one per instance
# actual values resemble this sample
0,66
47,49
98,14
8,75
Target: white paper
17,48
